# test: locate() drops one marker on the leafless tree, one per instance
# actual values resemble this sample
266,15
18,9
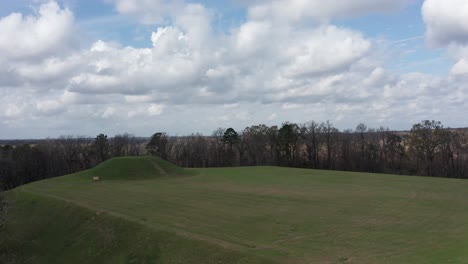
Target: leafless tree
310,135
428,149
426,139
256,146
330,134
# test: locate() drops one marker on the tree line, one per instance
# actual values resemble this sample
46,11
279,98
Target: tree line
24,163
427,149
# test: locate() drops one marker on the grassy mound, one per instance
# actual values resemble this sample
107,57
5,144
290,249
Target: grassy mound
135,168
229,215
46,230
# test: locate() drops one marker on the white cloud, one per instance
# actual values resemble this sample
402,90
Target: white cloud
299,10
231,106
414,85
108,112
14,110
155,109
288,106
460,68
376,76
446,21
148,11
48,32
267,69
447,26
323,50
253,37
50,107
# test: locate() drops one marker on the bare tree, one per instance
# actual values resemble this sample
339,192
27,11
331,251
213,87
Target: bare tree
426,137
461,155
395,151
136,146
429,149
331,142
256,145
309,134
119,145
217,148
361,132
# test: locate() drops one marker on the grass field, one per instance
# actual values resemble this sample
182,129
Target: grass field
145,209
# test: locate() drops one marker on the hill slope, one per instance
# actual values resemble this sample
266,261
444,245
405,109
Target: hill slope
134,168
47,230
238,215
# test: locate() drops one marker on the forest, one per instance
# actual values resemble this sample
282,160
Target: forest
427,149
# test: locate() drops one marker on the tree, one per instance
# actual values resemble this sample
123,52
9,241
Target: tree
274,146
395,152
120,145
6,153
361,130
72,149
157,145
217,148
3,207
450,141
256,144
309,133
287,138
230,137
8,174
331,137
101,147
425,139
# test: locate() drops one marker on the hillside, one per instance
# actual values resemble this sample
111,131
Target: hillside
134,168
146,210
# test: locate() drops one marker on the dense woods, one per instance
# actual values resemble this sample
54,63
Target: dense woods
427,149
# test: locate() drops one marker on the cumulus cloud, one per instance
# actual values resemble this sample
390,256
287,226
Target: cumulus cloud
460,68
48,32
323,50
269,68
37,50
188,64
447,26
446,22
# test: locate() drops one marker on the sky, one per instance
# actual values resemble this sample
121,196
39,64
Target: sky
84,67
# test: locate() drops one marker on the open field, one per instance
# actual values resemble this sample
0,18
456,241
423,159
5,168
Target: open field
146,209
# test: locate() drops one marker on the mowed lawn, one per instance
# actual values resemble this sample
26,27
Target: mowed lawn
287,215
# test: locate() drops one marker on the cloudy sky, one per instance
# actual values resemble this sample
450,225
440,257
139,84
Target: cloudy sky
140,66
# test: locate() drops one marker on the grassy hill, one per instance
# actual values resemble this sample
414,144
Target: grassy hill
146,210
134,168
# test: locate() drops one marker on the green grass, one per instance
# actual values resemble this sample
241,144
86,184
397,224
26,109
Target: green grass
134,168
47,230
165,214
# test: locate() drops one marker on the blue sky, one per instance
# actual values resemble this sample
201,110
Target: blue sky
121,65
